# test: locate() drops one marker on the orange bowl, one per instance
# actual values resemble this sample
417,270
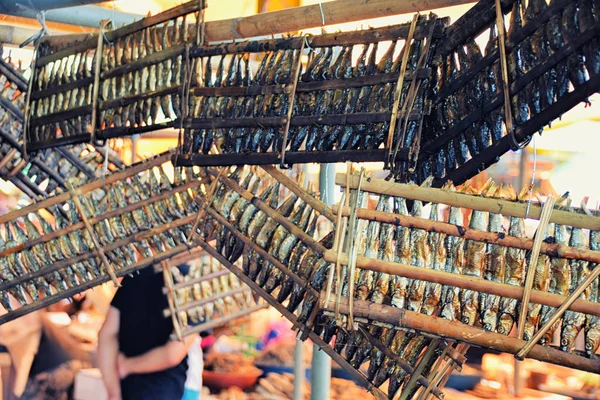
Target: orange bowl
224,380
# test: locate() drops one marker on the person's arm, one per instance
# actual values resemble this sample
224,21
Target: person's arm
108,353
157,359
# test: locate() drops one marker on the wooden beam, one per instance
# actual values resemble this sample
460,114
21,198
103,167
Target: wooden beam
297,18
464,333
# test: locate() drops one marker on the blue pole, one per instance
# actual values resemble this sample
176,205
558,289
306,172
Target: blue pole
321,362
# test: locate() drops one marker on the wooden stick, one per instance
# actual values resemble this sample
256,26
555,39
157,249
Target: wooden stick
294,75
168,280
497,206
551,249
296,120
299,191
353,236
464,333
293,157
97,71
531,271
464,282
508,120
97,246
330,84
204,206
26,118
398,91
8,157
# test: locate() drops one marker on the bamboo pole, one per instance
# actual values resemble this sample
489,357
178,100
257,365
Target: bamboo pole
398,89
551,249
497,206
533,260
88,187
299,191
283,21
464,333
294,75
464,282
360,378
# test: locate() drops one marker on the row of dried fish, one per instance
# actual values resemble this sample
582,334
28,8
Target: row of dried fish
207,289
124,50
47,170
525,56
79,243
323,64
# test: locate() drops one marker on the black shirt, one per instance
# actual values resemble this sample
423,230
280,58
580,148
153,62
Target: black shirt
143,327
49,356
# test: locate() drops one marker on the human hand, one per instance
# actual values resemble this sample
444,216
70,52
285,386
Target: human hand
122,366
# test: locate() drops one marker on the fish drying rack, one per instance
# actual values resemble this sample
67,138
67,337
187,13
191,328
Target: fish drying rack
437,343
437,108
448,119
208,296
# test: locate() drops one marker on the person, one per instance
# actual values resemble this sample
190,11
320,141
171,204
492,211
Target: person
135,354
44,358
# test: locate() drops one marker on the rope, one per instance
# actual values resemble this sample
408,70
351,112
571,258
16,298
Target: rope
532,179
322,14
